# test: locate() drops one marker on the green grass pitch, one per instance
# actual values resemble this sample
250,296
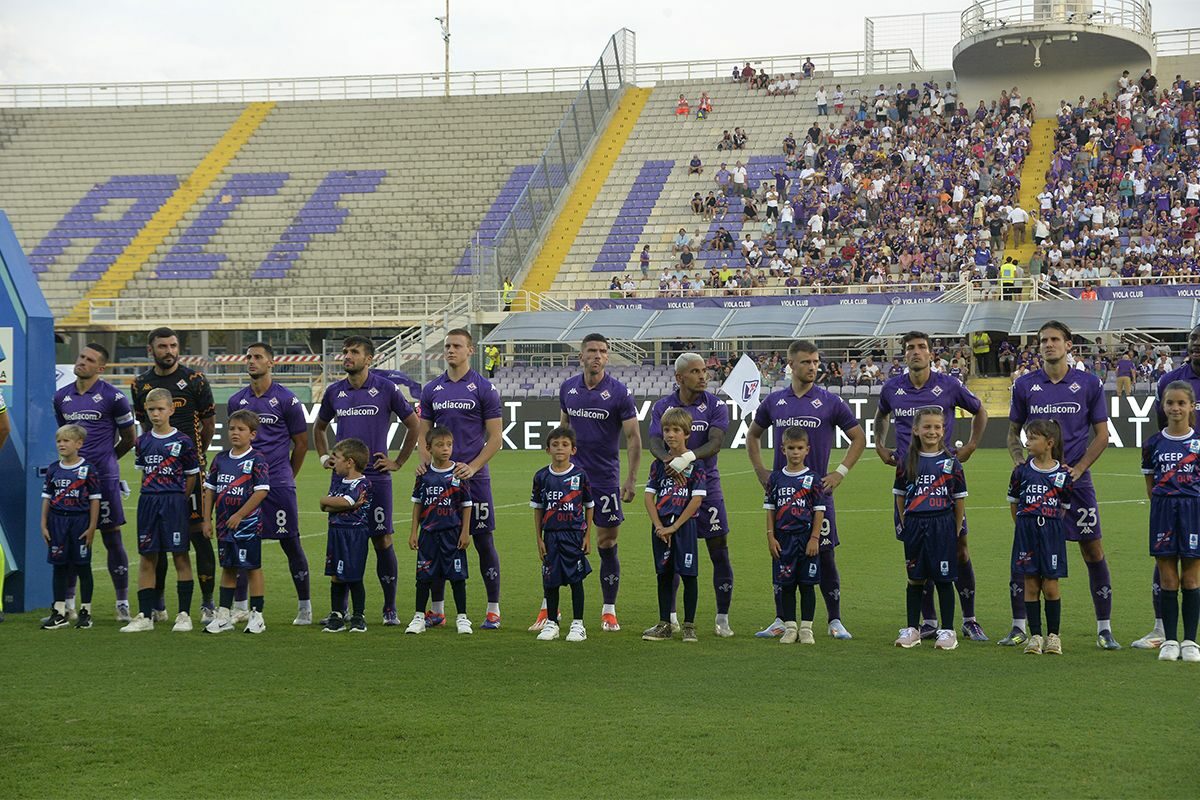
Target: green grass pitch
296,713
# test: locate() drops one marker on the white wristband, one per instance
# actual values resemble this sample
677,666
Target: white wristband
324,459
842,470
688,456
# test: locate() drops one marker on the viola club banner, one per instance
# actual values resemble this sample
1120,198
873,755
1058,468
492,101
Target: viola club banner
526,423
785,301
1139,292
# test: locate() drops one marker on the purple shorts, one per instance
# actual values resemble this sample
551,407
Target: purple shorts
483,511
1175,527
379,512
112,511
896,520
280,513
346,553
608,512
711,519
1083,517
829,534
162,523
66,546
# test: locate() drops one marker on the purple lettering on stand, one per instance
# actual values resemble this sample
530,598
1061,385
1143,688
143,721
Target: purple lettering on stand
84,221
188,259
320,215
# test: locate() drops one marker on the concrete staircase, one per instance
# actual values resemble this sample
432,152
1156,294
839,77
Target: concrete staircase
994,393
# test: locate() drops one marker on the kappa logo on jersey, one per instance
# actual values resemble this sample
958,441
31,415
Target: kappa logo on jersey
749,389
1035,388
244,402
573,391
900,392
437,388
342,394
781,402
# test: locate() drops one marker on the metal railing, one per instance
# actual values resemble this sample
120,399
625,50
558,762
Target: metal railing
517,238
431,84
1180,42
851,62
985,16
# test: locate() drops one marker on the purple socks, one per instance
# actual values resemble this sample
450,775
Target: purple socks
1016,595
722,577
489,566
610,574
1101,585
388,570
966,588
298,566
831,585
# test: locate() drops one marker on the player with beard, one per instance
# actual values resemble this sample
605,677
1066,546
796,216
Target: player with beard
103,411
1075,400
600,408
362,403
710,420
899,400
1188,372
194,414
282,440
821,413
466,402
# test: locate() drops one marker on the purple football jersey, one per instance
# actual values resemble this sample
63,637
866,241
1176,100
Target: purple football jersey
234,479
793,498
708,411
1172,462
596,415
672,495
901,399
938,483
280,417
72,489
1040,492
563,499
818,412
165,462
1075,403
464,406
442,498
365,413
101,411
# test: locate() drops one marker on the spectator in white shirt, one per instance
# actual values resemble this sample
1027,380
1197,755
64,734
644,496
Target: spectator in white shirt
822,102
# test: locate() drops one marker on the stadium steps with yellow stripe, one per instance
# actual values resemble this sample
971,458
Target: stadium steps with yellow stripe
570,219
164,221
994,393
1033,181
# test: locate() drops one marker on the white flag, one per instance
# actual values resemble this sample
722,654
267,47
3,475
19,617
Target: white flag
744,385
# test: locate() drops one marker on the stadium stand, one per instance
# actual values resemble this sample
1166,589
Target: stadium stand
321,192
646,200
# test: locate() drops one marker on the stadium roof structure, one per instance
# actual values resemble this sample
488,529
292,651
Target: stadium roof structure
848,321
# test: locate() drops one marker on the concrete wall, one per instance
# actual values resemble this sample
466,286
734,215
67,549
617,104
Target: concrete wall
1169,66
1089,66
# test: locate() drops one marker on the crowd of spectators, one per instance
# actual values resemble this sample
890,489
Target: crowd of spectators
914,196
1122,194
